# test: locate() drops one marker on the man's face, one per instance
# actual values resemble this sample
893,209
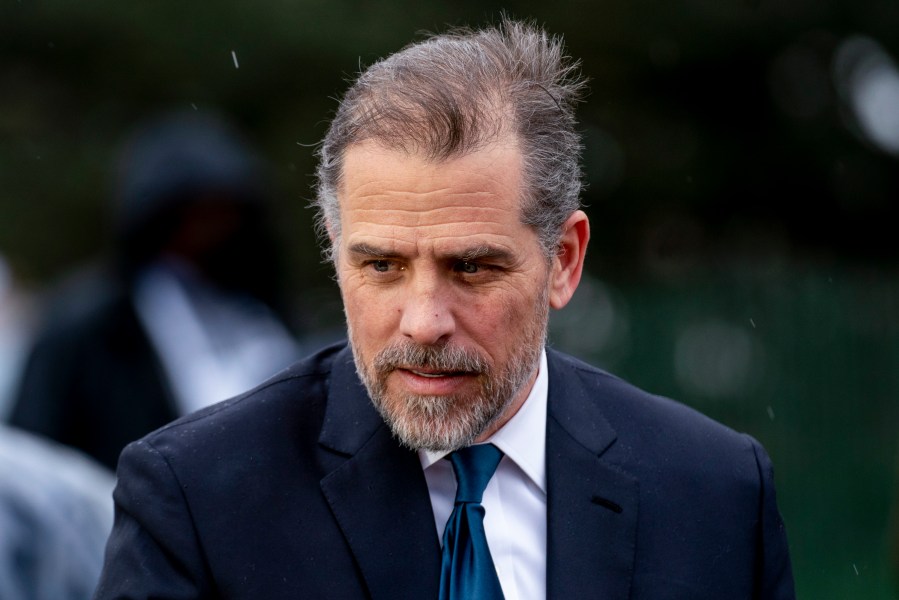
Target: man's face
445,290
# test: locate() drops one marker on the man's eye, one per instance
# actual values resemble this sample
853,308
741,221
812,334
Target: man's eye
381,266
467,267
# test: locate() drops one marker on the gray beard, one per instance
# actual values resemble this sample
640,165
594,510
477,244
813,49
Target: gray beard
447,423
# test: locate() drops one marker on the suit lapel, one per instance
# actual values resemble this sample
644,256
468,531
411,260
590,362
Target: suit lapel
378,495
591,504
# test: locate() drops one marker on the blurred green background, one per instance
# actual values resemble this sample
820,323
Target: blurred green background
743,168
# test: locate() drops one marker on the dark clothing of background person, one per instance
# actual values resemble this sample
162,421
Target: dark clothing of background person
193,212
92,380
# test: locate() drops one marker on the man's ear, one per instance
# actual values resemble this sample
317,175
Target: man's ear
568,264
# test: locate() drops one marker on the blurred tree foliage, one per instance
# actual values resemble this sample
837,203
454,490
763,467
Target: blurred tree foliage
742,216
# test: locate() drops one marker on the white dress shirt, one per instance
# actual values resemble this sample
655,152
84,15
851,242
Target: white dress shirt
212,345
515,498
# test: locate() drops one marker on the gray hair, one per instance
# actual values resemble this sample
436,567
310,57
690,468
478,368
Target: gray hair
450,95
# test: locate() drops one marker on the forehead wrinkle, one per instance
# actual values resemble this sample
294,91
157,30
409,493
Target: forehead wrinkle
435,217
416,202
385,187
430,219
434,179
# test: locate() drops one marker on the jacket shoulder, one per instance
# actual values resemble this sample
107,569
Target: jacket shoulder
647,424
293,398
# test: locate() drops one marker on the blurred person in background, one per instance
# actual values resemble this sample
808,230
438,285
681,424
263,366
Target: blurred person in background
187,312
55,514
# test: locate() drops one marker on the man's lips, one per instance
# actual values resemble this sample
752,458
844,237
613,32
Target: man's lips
425,373
431,381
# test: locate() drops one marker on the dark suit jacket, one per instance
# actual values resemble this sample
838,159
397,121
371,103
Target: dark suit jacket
92,380
298,490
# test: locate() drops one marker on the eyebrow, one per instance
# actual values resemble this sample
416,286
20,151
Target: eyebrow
363,249
474,253
486,252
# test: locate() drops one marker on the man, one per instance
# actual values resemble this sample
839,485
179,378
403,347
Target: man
448,189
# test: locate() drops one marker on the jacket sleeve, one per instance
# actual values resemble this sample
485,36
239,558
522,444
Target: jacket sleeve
774,573
153,550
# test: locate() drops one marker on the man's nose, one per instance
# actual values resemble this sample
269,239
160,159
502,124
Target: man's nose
427,313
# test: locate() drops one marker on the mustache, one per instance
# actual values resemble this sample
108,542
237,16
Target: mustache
438,358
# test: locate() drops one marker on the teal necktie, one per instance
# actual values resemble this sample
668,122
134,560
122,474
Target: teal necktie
467,572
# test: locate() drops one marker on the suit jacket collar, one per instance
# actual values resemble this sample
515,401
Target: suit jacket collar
378,494
350,418
380,499
591,503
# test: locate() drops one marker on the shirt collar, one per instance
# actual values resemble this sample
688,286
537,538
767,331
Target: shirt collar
523,438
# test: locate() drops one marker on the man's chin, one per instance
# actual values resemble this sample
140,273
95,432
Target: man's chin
432,445
437,423
430,423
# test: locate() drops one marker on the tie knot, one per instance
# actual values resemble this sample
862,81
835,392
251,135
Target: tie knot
474,466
